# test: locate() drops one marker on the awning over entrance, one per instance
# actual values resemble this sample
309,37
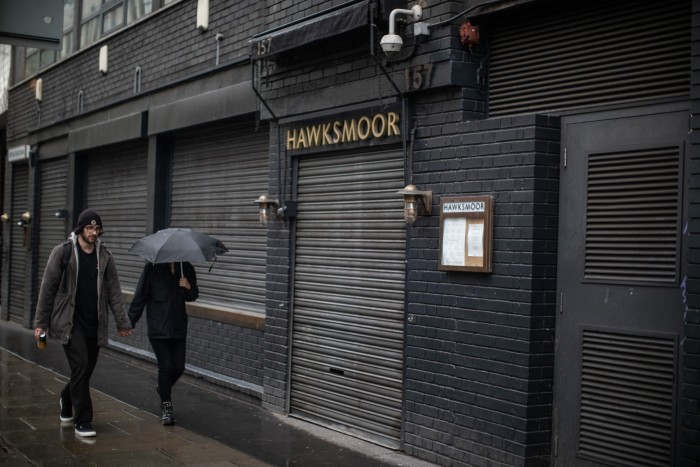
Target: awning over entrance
322,25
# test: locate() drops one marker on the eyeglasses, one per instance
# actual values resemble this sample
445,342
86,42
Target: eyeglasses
93,228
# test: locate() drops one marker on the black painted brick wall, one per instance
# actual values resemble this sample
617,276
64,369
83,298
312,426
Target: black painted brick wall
301,75
278,297
479,355
228,350
690,403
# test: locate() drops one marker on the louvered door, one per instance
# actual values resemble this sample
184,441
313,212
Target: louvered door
619,301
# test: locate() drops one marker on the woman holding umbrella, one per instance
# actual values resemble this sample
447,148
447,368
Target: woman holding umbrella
163,289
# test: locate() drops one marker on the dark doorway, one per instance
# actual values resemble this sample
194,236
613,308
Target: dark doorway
620,311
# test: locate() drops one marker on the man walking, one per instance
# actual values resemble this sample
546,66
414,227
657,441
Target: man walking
80,283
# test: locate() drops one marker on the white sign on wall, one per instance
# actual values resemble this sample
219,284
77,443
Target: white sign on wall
18,153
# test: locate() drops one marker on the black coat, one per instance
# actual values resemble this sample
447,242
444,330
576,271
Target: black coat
158,291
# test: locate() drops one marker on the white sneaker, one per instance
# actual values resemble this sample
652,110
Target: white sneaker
85,430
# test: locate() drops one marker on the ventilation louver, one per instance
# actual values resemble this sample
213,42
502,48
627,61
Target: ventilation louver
627,386
632,218
580,57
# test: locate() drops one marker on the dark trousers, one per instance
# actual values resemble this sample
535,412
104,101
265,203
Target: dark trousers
82,352
170,354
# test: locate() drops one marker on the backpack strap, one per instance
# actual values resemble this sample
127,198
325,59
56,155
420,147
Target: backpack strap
66,254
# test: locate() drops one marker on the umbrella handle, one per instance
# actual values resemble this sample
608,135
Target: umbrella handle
182,273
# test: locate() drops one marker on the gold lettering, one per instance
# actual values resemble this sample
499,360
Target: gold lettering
291,139
349,131
326,137
378,132
393,127
364,128
301,141
336,132
313,135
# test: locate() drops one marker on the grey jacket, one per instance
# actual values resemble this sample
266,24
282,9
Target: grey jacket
56,304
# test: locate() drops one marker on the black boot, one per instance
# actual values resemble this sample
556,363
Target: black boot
167,418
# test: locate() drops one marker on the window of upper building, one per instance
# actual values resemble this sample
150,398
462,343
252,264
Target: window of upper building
36,59
84,23
101,17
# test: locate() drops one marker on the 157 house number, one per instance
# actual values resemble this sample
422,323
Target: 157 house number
418,77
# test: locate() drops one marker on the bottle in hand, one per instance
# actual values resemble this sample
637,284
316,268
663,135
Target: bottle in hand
42,340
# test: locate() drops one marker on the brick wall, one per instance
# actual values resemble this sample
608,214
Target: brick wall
229,350
320,78
225,354
278,292
689,452
167,47
479,352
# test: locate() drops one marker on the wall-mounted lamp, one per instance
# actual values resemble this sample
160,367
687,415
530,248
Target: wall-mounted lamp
39,89
4,217
26,219
391,43
26,234
61,214
412,196
267,206
203,15
104,59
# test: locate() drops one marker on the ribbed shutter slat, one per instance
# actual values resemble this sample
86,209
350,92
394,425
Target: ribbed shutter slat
577,57
54,196
19,257
217,172
116,189
347,332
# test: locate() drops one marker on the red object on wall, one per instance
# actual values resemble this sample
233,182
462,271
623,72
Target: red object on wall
469,34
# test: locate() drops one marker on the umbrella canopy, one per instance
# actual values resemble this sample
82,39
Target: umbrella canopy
174,245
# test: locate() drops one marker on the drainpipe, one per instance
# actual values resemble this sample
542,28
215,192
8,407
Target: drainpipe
280,191
399,93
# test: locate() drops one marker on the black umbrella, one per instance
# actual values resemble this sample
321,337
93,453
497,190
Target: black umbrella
177,245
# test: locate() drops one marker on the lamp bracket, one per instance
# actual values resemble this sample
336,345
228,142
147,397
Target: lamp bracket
289,209
427,200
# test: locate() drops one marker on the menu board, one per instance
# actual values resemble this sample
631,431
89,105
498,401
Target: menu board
466,233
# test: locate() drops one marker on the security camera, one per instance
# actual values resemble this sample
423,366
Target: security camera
391,43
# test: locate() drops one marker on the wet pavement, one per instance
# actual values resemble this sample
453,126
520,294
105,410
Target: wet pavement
214,426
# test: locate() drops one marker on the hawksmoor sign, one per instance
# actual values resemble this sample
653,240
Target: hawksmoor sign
366,128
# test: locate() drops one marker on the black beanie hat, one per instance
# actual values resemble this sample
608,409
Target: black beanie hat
88,217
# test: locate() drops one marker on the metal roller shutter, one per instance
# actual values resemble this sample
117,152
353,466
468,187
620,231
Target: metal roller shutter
117,189
347,337
19,257
576,56
217,173
54,196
